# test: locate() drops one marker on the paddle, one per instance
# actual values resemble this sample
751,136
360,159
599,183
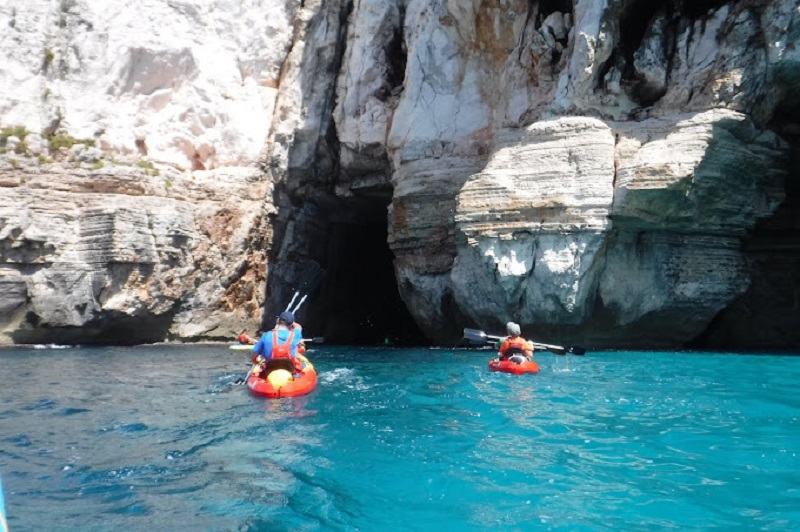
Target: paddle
479,337
312,275
242,380
249,347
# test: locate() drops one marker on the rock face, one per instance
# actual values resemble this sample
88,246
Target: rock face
617,174
131,210
110,256
555,165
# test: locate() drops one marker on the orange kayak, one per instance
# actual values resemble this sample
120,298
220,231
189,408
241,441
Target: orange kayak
509,366
279,380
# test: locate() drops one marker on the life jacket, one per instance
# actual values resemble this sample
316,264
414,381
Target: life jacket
243,339
515,346
282,350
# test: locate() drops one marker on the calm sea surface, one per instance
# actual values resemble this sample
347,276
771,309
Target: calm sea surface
160,438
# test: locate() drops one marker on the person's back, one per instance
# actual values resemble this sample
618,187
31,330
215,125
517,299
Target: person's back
514,347
282,341
283,344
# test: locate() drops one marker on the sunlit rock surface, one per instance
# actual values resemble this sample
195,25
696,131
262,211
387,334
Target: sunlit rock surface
115,256
152,227
186,83
626,227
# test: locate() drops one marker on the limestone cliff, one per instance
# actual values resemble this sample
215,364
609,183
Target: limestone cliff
131,206
613,173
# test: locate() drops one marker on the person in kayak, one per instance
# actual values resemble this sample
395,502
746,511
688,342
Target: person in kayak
281,342
514,347
245,338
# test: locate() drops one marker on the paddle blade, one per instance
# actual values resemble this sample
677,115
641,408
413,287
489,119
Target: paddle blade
476,336
242,347
576,350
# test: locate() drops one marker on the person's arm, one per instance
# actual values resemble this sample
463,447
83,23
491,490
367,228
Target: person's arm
501,347
503,344
264,345
297,338
529,350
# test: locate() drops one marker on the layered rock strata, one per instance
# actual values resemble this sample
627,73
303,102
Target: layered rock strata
128,259
591,180
131,206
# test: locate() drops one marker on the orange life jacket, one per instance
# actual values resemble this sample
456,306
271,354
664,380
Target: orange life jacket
282,350
515,345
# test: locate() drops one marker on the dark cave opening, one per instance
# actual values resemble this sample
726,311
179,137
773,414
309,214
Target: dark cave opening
397,55
364,305
359,303
664,18
767,314
635,22
697,9
638,16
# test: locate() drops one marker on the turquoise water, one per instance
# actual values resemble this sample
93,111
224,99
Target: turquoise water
160,438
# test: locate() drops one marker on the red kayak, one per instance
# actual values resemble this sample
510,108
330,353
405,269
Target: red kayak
514,365
279,380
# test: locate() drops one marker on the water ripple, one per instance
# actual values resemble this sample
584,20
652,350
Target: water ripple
417,439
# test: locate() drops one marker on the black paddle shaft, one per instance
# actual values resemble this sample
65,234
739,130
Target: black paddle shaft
479,337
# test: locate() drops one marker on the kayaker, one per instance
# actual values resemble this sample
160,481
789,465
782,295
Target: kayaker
244,338
281,342
514,347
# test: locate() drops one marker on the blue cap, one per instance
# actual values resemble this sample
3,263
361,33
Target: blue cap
287,316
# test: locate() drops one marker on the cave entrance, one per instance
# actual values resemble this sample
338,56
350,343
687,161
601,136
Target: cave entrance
767,314
360,298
